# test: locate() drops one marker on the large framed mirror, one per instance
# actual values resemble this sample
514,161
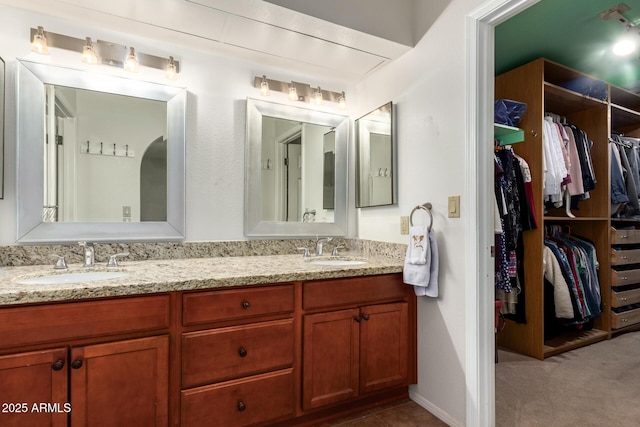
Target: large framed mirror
376,184
2,96
295,171
100,158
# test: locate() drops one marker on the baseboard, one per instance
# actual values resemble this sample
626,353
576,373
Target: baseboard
435,410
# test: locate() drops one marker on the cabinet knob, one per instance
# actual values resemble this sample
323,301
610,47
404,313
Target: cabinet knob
241,406
246,304
624,299
76,364
57,365
365,316
357,319
242,352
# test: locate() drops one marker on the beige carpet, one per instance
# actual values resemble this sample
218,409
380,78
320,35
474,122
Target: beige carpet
598,385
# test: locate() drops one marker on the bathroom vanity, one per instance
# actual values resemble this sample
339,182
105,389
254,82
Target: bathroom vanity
268,340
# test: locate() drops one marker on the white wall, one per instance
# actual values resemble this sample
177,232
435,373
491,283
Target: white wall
218,87
427,87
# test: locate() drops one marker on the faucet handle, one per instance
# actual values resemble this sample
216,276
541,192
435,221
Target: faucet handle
113,261
334,252
306,253
61,264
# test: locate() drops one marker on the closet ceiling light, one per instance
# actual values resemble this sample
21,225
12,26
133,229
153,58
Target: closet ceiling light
624,46
39,43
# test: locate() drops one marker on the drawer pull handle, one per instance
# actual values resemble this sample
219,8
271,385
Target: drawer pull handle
76,364
246,305
625,278
623,257
624,299
357,319
241,406
57,365
625,320
365,316
624,237
242,352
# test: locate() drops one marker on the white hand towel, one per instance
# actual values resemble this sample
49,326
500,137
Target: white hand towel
418,250
424,277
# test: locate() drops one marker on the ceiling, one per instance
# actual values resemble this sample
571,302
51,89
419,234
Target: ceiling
571,33
343,39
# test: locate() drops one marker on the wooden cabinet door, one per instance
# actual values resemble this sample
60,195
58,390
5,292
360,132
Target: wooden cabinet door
330,357
383,346
33,389
122,383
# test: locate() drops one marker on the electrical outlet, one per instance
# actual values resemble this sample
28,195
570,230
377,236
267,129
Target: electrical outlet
404,225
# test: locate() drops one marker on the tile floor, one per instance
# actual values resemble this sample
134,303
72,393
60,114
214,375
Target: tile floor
403,413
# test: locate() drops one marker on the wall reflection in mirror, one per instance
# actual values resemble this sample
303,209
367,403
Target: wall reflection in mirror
108,163
295,159
375,160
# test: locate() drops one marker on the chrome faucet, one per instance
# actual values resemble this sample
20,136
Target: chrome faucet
319,243
89,254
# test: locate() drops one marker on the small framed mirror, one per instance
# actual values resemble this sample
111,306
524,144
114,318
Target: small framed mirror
376,184
2,85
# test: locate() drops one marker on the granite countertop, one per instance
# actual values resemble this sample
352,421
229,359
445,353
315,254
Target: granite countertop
147,277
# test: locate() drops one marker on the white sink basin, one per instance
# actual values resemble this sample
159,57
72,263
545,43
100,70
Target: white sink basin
338,262
88,276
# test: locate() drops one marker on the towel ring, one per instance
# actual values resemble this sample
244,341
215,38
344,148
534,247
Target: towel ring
425,207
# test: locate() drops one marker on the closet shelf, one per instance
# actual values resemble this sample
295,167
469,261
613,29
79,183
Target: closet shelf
573,340
507,135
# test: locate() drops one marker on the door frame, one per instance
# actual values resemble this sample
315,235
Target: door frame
479,293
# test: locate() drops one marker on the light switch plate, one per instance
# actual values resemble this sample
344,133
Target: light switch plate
454,206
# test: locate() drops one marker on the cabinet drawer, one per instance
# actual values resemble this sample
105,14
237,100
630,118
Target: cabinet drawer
241,402
57,322
622,257
212,306
626,318
358,290
224,353
624,236
622,298
625,277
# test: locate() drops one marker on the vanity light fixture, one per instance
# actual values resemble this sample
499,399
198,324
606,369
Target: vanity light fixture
103,52
264,87
297,91
317,96
88,53
171,72
131,63
39,43
293,92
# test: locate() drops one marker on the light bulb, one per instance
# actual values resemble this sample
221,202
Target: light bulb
131,63
88,54
624,46
342,101
264,87
171,72
293,92
317,96
39,43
